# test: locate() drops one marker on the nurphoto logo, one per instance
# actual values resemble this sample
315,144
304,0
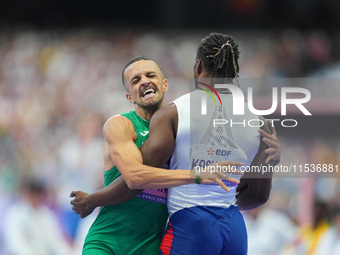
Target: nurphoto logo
238,104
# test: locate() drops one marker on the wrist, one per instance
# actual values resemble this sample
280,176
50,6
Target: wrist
91,201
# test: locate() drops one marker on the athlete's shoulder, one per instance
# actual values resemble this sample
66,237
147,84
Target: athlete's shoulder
118,119
118,124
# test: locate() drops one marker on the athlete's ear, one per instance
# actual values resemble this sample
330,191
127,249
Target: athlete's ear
165,85
198,68
129,97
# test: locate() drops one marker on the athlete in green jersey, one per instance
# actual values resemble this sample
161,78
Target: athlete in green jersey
134,227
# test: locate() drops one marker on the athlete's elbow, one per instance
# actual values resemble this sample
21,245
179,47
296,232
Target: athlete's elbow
263,196
133,182
134,185
130,182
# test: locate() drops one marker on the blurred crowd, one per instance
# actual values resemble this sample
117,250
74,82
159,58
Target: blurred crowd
57,88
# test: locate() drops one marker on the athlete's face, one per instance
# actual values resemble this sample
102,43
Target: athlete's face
145,84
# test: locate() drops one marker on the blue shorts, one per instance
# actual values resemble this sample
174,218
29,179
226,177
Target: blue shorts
205,230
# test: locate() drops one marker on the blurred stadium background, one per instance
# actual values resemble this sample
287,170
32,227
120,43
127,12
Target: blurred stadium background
60,79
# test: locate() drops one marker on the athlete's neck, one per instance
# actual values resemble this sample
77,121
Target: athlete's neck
147,113
206,78
210,84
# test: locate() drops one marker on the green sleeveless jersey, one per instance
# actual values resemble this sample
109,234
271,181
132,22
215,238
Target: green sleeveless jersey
133,227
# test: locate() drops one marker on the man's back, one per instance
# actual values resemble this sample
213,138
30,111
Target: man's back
201,142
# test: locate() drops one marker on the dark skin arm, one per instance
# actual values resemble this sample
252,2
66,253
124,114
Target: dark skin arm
159,147
118,191
254,188
115,193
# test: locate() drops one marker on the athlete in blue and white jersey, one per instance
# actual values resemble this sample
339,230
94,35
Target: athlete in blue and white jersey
205,219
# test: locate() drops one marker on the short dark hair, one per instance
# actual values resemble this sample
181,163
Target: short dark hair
136,59
220,54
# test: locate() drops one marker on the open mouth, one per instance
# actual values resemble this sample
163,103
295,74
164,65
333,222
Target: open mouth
148,92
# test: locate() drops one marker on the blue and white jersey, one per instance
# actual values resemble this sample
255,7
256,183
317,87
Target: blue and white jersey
203,139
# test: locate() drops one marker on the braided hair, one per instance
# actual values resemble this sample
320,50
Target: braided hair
220,54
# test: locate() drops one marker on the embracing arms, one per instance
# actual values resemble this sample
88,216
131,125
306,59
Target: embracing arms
119,137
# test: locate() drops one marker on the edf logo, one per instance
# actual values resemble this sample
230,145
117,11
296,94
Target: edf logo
219,152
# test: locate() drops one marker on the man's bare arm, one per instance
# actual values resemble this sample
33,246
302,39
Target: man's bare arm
118,191
254,188
128,159
119,134
159,147
115,193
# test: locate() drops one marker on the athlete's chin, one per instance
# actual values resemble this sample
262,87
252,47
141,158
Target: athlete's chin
151,100
151,104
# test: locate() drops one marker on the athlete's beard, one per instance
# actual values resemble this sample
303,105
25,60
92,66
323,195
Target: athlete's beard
151,106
